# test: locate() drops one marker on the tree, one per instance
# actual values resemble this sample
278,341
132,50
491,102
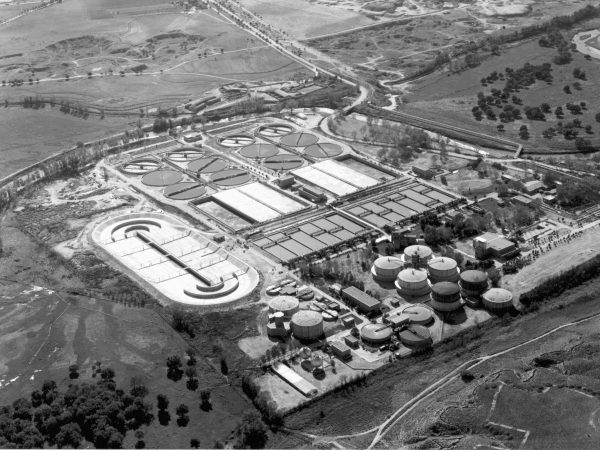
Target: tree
174,371
194,443
205,404
162,402
251,432
182,417
140,444
224,368
597,117
138,388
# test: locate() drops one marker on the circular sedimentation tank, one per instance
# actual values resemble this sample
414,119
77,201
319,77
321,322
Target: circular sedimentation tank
417,256
283,162
259,150
210,164
418,314
473,283
497,300
307,325
187,190
163,177
140,166
185,154
275,130
236,140
412,283
285,304
299,139
376,333
230,177
415,336
386,268
323,150
442,269
445,296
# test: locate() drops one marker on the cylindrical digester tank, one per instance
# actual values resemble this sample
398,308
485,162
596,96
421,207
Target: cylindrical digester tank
442,269
278,318
416,336
376,333
445,296
307,324
473,283
286,304
412,283
417,256
386,268
418,314
498,300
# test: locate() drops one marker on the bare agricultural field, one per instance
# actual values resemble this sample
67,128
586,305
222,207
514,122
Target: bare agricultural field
450,98
304,19
29,136
127,53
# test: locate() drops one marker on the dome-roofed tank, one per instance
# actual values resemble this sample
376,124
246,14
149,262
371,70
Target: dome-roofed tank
307,324
416,336
412,283
442,269
445,296
386,268
473,283
376,333
498,300
417,256
284,303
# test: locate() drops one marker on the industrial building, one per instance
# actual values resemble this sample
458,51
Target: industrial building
404,236
386,268
494,245
307,325
445,297
278,327
473,283
412,283
417,256
340,350
498,300
361,300
442,269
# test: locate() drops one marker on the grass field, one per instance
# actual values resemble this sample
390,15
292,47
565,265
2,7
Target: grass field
450,97
44,332
29,136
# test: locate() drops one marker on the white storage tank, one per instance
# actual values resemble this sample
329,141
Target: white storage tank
445,296
386,268
442,269
412,283
498,300
286,304
307,325
417,256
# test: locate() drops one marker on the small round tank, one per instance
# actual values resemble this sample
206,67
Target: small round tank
412,283
445,296
442,269
498,300
473,283
386,268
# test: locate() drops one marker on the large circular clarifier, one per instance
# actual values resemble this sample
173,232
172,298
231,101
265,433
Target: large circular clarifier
184,154
283,162
275,130
187,190
259,150
230,177
162,178
140,166
299,139
207,165
323,150
237,140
